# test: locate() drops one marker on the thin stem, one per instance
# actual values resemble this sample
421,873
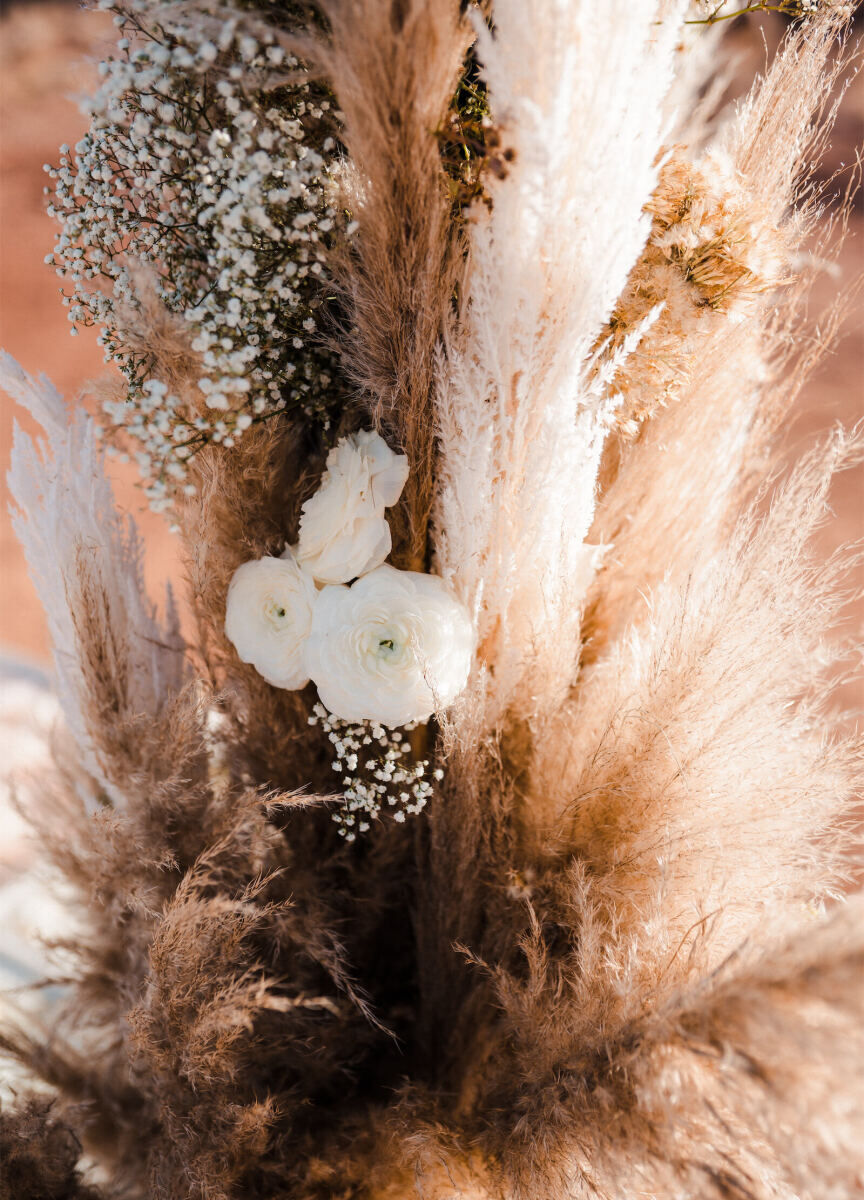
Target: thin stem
790,8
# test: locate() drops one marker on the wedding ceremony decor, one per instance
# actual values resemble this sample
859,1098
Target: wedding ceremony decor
475,818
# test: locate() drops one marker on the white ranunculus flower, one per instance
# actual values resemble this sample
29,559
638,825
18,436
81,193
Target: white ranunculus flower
343,532
394,647
268,616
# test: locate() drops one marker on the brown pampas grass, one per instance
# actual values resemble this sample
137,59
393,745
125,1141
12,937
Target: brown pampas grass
395,68
39,1155
612,956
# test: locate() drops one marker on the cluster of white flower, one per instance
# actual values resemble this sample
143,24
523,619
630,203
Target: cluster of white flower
156,420
394,646
386,650
374,764
204,165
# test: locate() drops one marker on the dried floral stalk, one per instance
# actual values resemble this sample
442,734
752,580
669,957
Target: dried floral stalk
723,368
118,666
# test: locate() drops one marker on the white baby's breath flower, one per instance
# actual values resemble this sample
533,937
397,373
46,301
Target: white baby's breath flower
376,772
343,531
185,134
268,617
394,647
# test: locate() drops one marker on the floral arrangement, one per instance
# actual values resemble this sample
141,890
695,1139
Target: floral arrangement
390,650
478,825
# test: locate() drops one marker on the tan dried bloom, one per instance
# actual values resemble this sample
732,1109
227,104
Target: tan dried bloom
711,255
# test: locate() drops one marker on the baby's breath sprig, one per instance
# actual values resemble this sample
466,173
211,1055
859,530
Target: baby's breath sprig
210,161
376,770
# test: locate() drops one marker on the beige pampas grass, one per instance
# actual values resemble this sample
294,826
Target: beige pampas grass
612,958
522,413
721,368
770,831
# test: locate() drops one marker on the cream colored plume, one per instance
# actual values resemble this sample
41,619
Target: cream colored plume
577,92
114,658
693,771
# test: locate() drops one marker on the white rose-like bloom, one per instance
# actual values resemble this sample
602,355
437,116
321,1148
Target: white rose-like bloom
268,616
343,532
394,647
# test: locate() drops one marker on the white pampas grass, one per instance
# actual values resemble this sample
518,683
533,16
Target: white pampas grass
114,658
521,420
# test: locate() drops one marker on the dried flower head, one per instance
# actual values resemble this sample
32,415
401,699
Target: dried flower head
710,254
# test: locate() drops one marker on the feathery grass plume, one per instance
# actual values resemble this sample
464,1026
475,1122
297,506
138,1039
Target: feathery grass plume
702,78
182,839
703,807
119,667
743,1084
725,233
719,813
694,838
39,1155
792,1024
521,425
207,1005
650,496
394,67
737,1086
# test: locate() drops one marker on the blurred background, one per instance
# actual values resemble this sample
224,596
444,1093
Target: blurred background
48,53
